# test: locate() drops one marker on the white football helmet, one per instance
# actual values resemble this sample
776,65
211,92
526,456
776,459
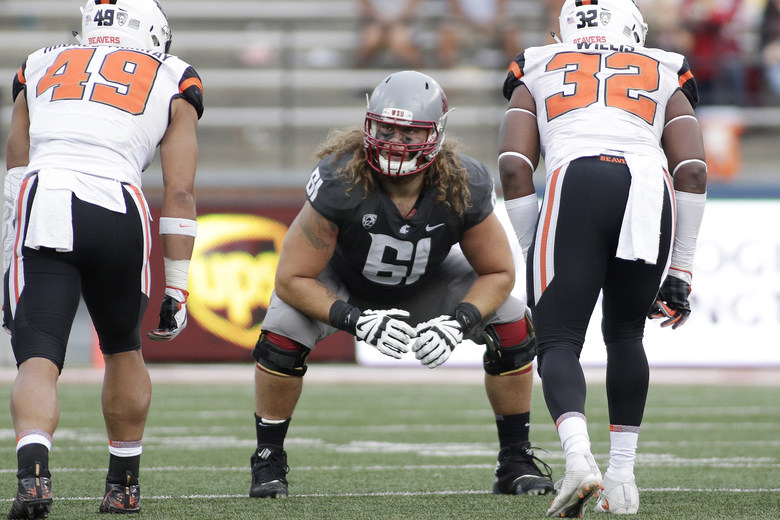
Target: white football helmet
407,98
613,22
140,24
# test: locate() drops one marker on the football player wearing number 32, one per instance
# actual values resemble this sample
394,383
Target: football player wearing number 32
622,207
371,253
86,122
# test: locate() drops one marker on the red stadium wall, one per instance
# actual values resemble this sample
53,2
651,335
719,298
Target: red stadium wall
232,272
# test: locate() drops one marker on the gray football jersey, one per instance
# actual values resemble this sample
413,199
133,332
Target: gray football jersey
380,251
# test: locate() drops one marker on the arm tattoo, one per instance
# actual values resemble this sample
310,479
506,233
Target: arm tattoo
318,230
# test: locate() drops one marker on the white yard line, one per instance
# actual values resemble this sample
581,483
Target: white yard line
326,373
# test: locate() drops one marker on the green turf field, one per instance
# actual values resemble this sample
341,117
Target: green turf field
407,451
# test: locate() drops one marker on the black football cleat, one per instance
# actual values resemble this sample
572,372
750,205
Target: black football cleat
33,498
518,474
269,472
121,499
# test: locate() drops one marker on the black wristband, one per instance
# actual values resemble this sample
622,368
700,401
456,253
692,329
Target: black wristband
468,316
344,316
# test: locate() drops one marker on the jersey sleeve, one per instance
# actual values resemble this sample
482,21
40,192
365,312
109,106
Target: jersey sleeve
191,89
330,194
482,192
688,83
19,82
514,76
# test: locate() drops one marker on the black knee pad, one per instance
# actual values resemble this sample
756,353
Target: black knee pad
279,361
504,361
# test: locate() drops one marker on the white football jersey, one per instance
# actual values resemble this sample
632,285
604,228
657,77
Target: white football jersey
101,110
596,99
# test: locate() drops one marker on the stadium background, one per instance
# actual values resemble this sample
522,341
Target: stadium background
278,75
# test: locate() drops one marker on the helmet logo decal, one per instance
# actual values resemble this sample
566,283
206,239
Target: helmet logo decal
104,18
397,113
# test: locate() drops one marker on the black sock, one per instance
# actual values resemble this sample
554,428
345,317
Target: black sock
513,429
28,456
271,435
123,470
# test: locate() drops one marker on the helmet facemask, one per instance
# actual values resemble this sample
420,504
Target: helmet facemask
394,158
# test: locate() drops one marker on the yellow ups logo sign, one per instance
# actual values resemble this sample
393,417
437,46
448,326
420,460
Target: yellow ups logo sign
232,274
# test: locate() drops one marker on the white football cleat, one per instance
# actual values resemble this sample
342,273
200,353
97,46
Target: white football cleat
618,498
581,481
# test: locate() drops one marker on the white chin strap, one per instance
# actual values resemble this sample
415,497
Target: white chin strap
394,168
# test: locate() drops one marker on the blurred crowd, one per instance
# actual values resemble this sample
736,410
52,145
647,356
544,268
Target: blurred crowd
733,46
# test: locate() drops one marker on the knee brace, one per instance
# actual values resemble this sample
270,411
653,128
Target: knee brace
280,361
504,360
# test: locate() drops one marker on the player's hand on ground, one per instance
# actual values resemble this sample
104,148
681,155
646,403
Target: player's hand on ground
672,303
173,315
436,339
380,329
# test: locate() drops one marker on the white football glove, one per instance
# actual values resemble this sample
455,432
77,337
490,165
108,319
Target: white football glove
436,339
173,315
382,331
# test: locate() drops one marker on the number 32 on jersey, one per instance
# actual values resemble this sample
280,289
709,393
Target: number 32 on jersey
628,75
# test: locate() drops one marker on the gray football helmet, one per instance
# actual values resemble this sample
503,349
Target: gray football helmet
406,98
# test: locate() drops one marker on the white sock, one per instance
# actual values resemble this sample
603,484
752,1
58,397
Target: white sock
573,431
622,452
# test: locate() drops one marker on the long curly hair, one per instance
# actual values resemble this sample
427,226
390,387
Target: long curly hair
446,174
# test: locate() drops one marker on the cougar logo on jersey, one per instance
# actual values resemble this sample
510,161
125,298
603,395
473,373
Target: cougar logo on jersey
232,271
369,220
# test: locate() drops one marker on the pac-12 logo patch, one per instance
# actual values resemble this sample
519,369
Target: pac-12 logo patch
369,220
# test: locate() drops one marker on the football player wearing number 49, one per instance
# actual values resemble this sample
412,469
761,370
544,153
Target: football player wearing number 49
624,200
371,253
86,122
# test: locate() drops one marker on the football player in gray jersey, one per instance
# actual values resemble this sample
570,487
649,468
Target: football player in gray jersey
371,253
